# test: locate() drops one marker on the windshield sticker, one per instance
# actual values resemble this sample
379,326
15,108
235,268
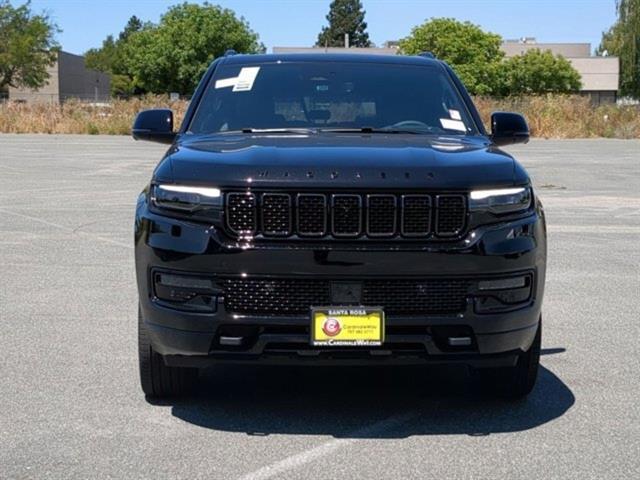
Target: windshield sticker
226,82
245,79
242,83
453,124
455,114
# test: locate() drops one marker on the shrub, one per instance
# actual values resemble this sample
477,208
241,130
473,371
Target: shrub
549,116
114,118
566,116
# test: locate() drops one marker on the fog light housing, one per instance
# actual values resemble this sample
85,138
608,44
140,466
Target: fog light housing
503,294
186,292
503,283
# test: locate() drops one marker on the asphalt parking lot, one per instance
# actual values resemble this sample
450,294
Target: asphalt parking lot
71,406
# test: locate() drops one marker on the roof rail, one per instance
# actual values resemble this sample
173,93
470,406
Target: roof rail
426,55
230,52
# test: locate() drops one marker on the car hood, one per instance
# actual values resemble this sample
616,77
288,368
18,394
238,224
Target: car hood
338,161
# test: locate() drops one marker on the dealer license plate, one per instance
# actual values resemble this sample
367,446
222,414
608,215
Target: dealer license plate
347,326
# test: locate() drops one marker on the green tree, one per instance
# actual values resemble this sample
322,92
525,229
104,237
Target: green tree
134,24
345,16
109,58
536,72
102,58
474,54
172,56
623,40
27,46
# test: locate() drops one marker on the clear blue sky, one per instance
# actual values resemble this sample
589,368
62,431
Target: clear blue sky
85,23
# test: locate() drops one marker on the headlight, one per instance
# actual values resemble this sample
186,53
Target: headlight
504,200
186,199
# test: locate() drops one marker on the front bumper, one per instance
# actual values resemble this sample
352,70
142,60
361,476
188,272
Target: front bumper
191,338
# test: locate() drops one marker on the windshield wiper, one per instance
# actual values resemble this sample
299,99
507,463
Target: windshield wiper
374,130
277,130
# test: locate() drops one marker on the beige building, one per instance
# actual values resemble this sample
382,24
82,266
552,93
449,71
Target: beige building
68,78
599,75
365,51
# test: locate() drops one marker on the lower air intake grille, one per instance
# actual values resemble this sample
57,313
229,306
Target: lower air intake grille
273,297
417,296
293,296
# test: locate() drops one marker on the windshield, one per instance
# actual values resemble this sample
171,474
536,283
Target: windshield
332,96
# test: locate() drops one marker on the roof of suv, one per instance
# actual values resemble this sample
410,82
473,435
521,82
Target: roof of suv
240,59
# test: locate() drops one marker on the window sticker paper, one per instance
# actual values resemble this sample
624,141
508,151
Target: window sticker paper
226,82
245,79
453,124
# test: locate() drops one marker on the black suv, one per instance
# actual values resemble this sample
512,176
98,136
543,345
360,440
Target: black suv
337,209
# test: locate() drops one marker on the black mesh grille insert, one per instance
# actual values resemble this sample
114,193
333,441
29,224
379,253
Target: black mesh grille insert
312,215
416,215
417,296
451,214
241,213
276,214
296,296
347,215
274,297
381,215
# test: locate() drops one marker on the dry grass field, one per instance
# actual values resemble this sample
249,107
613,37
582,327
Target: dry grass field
552,116
567,116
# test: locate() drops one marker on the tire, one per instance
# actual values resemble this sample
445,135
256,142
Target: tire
514,383
157,379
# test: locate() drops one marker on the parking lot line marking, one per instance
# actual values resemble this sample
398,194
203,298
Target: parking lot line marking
594,229
68,229
295,461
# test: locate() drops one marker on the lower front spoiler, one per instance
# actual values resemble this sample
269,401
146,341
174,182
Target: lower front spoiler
182,348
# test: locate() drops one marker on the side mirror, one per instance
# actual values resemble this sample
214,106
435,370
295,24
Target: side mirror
508,128
154,125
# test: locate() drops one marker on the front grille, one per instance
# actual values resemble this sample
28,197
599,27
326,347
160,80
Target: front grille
346,216
296,296
381,215
276,214
451,213
241,213
416,218
311,215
